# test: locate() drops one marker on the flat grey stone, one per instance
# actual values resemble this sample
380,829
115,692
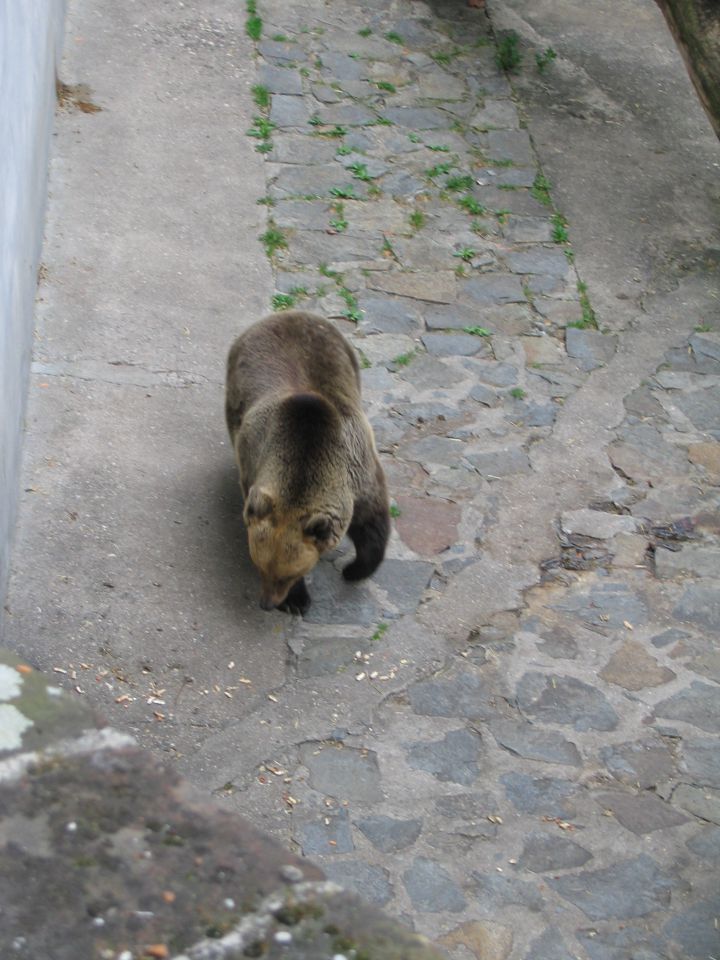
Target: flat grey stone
697,705
543,852
335,601
540,261
488,398
454,345
700,603
706,344
500,463
496,113
280,79
297,149
510,145
466,694
403,184
606,607
428,372
532,414
374,167
370,882
696,929
565,700
341,66
288,111
640,763
308,215
342,772
693,560
453,759
312,246
621,944
702,407
306,180
280,52
491,289
346,114
433,287
596,524
329,835
558,644
431,888
545,796
702,802
526,740
641,813
591,347
643,403
467,806
324,656
701,762
388,834
549,946
434,449
450,317
325,94
389,315
643,454
419,118
706,844
494,892
667,637
633,888
405,581
528,230
497,374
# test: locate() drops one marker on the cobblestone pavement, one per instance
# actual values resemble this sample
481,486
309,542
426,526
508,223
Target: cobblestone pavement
545,783
508,737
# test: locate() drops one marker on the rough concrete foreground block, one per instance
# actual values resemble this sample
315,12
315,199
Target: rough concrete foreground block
107,853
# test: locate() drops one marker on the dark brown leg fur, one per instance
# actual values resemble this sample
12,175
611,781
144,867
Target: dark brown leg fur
369,531
297,600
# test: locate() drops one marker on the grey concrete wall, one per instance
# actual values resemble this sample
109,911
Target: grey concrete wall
30,45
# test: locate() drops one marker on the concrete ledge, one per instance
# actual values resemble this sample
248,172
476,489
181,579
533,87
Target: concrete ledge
108,854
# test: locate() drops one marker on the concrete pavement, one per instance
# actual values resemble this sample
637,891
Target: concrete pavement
508,737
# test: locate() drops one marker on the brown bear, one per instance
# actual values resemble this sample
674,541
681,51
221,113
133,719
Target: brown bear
309,469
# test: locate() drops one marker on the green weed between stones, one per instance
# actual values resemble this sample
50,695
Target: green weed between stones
360,171
344,193
261,130
394,511
703,328
334,132
286,301
382,628
517,393
338,222
471,205
403,359
273,240
439,170
544,59
445,57
417,219
560,225
460,182
508,56
365,363
365,32
386,86
343,151
394,37
477,331
261,96
466,254
280,38
414,138
439,147
253,24
353,311
589,320
541,190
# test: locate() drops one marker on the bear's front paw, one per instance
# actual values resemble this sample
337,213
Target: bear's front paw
297,601
357,570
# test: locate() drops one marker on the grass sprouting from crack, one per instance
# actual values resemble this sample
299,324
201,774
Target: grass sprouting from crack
477,331
273,240
508,56
261,96
417,219
589,320
560,225
540,190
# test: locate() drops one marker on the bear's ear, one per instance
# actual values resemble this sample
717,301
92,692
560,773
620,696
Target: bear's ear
320,528
259,504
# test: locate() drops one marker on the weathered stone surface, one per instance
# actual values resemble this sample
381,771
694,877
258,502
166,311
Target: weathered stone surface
707,456
428,372
511,145
706,843
632,667
288,111
703,409
643,455
454,345
559,644
641,763
700,604
483,395
549,946
606,606
388,834
452,759
427,525
496,113
492,289
640,813
500,463
696,929
342,772
485,940
497,374
703,802
433,288
543,852
595,523
694,560
368,880
329,834
469,807
629,550
419,118
305,180
696,705
590,347
493,891
632,888
389,315
539,350
405,581
550,262
701,761
526,740
435,449
546,796
528,230
279,79
465,694
336,601
431,888
565,700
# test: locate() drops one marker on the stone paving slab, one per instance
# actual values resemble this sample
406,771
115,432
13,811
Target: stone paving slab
508,736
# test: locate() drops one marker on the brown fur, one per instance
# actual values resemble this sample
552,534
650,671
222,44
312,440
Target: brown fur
309,470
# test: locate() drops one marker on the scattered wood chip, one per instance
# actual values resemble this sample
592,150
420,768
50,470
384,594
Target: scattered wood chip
274,699
158,951
628,625
168,896
59,670
23,668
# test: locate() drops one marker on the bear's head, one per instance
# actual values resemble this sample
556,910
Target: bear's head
285,544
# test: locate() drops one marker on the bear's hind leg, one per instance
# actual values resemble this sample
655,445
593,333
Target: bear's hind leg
370,538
